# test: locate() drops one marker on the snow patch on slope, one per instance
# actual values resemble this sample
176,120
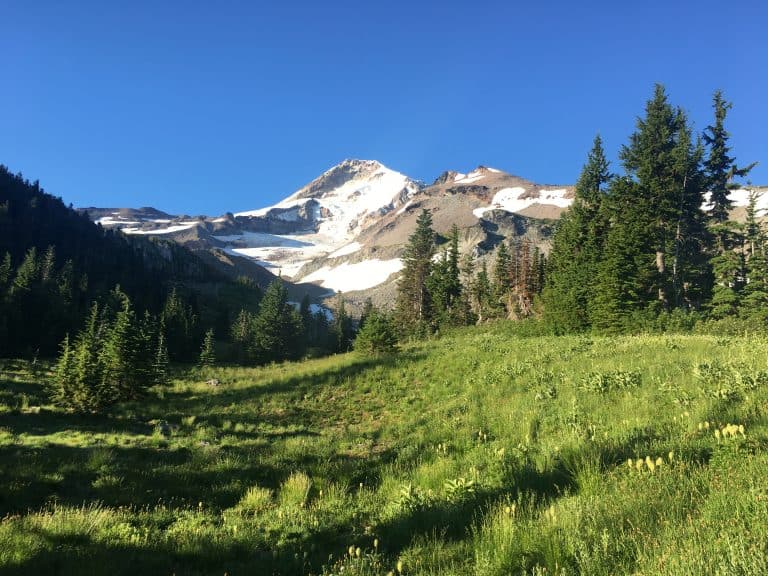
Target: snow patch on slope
346,206
350,248
359,276
511,200
170,229
740,199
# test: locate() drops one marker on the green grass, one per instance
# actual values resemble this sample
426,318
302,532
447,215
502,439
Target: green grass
480,453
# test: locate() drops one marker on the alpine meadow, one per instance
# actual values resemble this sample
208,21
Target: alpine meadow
377,375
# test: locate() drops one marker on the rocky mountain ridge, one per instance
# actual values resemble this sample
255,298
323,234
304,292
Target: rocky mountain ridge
345,231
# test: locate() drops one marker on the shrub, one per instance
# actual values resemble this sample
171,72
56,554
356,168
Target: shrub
377,335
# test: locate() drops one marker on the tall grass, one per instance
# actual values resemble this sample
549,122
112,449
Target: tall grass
484,452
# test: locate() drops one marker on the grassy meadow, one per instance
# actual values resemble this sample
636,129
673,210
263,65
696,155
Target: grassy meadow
481,453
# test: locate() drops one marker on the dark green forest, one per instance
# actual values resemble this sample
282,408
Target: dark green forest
117,310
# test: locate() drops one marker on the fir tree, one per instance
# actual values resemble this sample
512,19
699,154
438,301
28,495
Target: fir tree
64,377
5,273
721,168
577,248
243,336
483,295
655,253
277,325
160,363
377,335
118,354
207,352
85,392
754,304
341,331
502,277
413,307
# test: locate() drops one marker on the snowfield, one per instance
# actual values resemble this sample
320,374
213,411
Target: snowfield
350,248
359,276
740,199
177,228
509,199
347,205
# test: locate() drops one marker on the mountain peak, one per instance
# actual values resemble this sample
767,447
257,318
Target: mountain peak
339,175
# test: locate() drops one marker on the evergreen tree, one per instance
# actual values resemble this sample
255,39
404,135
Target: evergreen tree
655,253
64,376
444,285
27,273
754,304
483,295
502,278
277,326
577,248
160,363
181,325
465,309
119,353
377,335
85,392
207,352
413,307
728,256
721,168
342,331
5,273
305,312
367,311
627,266
243,336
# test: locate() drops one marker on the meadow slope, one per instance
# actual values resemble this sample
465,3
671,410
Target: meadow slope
480,453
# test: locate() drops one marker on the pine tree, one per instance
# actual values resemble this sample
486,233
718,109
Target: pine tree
64,377
5,273
502,278
243,336
754,304
483,295
207,352
276,327
720,168
577,248
413,307
377,335
342,331
118,354
160,363
654,258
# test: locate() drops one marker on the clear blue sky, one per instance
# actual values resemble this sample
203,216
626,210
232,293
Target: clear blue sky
204,107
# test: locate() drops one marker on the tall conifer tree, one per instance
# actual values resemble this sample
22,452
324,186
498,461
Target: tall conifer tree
577,248
414,308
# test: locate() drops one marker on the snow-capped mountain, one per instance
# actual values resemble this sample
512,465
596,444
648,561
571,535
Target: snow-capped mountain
345,231
326,215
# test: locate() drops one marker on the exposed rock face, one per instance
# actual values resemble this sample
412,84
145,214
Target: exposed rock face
346,230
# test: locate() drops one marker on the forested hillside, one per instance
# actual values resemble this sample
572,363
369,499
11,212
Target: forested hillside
54,263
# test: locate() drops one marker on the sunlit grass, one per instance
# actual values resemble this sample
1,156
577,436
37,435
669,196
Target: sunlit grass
479,453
